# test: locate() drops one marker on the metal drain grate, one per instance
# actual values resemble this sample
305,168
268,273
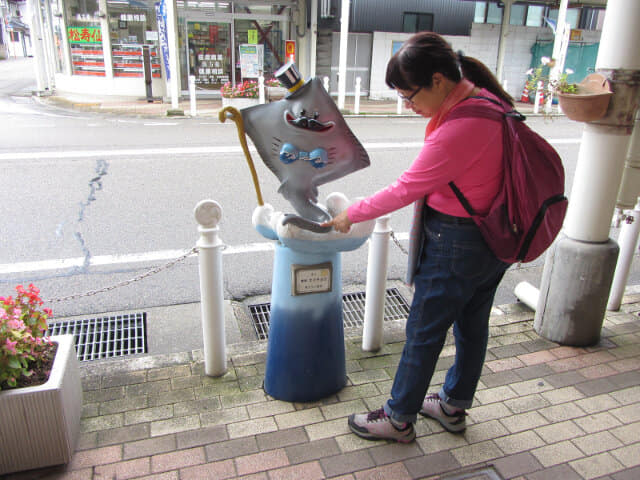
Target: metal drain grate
395,308
105,337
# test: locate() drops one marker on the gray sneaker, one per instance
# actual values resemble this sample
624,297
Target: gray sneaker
377,425
432,408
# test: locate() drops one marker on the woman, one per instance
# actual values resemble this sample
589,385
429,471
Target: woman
455,273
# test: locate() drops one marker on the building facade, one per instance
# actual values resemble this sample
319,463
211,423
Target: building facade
110,47
15,36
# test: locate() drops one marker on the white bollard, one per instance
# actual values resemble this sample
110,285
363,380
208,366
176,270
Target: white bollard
527,294
261,90
325,82
627,241
208,214
399,105
376,285
192,94
356,100
536,101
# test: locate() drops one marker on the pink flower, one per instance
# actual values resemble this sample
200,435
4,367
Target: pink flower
11,346
16,324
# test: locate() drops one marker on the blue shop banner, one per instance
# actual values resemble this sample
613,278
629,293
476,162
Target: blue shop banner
161,15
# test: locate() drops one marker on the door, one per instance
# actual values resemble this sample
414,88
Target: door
209,53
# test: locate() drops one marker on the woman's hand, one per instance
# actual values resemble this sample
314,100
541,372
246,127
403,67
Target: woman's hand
340,222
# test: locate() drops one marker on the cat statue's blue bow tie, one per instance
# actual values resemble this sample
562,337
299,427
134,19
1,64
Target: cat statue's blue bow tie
317,157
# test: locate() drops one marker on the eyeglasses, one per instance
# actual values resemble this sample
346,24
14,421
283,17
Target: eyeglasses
409,99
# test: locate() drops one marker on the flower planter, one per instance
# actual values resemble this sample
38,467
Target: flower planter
239,102
276,93
590,102
39,426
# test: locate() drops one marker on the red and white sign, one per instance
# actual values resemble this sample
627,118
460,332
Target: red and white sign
290,49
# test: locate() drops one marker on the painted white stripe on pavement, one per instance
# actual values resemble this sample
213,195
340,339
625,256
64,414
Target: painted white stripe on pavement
128,152
102,260
160,255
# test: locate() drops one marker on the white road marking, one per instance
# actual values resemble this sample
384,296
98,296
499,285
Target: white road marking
129,152
131,258
103,260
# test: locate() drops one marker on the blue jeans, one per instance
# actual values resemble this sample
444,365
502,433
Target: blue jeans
455,285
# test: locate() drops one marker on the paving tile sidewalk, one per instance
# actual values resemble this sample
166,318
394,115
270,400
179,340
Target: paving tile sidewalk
542,411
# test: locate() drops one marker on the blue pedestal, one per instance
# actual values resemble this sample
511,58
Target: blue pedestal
305,356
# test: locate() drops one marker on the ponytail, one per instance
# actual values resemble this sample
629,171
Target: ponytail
477,72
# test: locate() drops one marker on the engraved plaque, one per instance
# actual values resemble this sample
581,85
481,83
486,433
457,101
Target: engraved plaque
311,278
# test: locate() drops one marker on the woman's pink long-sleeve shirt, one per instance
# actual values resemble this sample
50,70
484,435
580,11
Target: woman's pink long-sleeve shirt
467,151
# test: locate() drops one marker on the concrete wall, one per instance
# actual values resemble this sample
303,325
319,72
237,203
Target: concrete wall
481,44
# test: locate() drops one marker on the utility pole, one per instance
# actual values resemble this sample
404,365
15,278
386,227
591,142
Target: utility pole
579,267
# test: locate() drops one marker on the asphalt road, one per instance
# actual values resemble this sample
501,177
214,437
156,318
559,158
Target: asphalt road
90,201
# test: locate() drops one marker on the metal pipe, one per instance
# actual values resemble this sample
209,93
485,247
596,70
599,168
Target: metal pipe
208,214
376,285
627,241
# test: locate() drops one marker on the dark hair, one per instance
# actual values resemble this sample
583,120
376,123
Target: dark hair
426,53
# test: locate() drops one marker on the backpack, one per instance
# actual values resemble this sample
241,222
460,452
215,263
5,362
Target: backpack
527,214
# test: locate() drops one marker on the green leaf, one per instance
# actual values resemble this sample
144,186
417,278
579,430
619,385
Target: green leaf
14,363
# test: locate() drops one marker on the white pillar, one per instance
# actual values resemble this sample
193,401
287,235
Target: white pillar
174,65
580,266
261,96
342,63
106,40
314,38
356,100
504,35
376,285
325,83
42,83
627,240
192,95
538,96
630,187
50,46
595,186
527,294
208,214
399,103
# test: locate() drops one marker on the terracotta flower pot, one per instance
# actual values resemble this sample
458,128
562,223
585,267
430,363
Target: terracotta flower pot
590,102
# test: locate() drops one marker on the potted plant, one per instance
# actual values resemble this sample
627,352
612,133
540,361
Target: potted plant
539,78
40,388
589,102
241,95
584,102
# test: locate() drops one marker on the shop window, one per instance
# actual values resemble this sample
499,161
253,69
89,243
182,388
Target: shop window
535,16
480,13
517,14
132,26
85,37
260,32
417,22
572,18
494,14
209,53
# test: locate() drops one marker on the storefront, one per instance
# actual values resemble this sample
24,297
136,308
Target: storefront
98,45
